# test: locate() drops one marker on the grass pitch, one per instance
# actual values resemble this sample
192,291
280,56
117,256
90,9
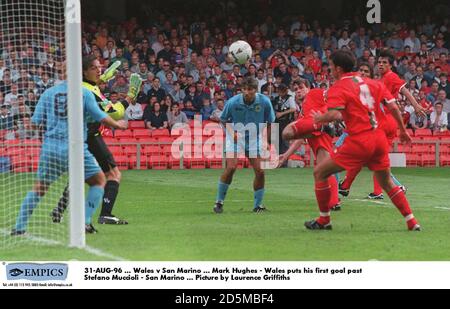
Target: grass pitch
171,219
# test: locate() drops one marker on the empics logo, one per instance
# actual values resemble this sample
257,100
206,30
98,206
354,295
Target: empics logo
15,272
36,272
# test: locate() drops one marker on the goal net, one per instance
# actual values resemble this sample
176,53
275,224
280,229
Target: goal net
33,141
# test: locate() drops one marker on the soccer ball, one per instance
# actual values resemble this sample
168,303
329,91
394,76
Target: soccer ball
241,51
116,111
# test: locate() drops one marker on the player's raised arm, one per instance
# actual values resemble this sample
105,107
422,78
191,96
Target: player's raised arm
417,107
97,114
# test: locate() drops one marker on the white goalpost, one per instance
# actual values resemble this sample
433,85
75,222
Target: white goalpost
40,46
75,118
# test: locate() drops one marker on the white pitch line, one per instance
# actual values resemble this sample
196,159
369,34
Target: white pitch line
444,208
88,249
370,201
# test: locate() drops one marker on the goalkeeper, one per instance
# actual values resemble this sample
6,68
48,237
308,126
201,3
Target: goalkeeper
51,114
97,146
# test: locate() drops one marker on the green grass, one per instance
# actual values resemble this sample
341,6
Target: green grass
171,219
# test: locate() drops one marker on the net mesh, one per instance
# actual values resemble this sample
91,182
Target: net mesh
32,59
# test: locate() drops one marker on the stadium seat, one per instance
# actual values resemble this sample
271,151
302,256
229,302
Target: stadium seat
403,148
428,160
133,162
445,160
158,162
413,160
214,163
122,162
31,143
423,132
195,163
148,140
116,150
123,134
136,124
160,133
151,150
127,141
130,150
110,140
175,163
141,133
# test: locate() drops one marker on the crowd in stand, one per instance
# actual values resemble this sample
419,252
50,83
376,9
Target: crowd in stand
187,72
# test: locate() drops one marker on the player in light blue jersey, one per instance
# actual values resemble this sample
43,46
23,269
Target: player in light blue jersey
51,114
243,115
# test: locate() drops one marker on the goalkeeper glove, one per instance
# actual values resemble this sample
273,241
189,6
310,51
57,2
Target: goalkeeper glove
110,72
135,86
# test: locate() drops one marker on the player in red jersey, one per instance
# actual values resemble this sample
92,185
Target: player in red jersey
320,142
357,101
396,86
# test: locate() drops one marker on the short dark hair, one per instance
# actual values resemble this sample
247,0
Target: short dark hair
344,59
250,82
87,61
365,64
387,54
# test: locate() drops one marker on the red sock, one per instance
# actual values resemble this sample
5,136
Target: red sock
334,191
377,190
349,178
398,198
305,127
323,196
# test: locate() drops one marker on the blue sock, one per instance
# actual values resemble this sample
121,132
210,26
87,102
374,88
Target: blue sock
337,177
222,189
26,209
395,180
93,200
259,195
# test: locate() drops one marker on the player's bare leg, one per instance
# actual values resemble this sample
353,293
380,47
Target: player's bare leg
322,172
398,198
224,183
258,185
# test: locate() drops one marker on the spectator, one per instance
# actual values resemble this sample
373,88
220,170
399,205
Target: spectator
215,116
444,84
442,98
156,119
134,111
176,117
18,108
413,42
433,95
25,129
207,109
285,108
189,109
156,90
120,86
418,121
11,98
6,123
438,118
177,94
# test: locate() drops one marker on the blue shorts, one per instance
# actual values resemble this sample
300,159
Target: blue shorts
54,161
341,140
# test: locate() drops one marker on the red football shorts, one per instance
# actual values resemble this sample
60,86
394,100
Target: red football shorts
390,128
322,141
369,149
